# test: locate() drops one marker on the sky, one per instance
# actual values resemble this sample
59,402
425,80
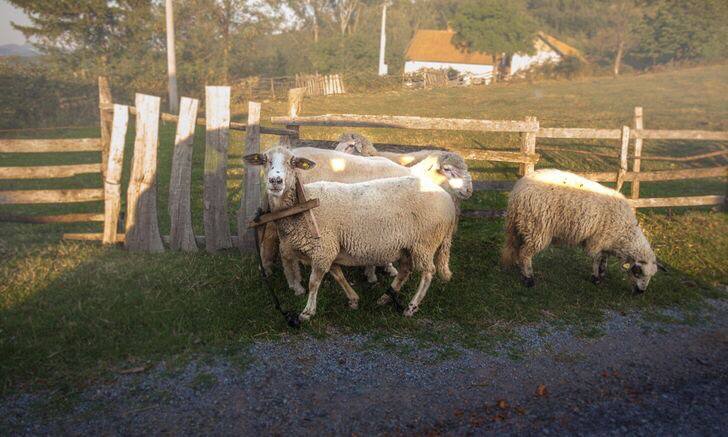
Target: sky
8,13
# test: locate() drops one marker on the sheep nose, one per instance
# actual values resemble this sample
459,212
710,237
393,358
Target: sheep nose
275,180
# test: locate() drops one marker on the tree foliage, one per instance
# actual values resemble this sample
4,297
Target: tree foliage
493,26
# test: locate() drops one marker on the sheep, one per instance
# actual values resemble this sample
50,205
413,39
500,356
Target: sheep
409,219
356,144
554,206
450,171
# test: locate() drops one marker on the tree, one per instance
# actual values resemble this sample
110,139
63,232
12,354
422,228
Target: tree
493,26
620,29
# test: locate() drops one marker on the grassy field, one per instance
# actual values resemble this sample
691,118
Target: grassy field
75,312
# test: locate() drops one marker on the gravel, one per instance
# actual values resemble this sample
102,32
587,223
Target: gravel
640,377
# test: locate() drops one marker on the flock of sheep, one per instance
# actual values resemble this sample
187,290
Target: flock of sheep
379,208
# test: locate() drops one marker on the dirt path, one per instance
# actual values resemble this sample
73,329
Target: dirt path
640,378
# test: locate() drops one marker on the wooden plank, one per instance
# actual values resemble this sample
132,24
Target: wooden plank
584,152
661,202
671,175
664,134
51,145
686,158
407,122
250,200
301,195
580,133
638,124
105,120
142,227
27,197
528,147
623,163
120,238
277,215
500,156
182,236
217,137
484,213
48,172
112,181
61,218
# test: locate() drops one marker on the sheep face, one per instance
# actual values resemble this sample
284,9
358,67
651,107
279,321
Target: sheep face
280,168
355,144
449,171
640,273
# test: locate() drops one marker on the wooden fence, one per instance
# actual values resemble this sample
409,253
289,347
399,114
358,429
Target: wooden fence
320,85
527,156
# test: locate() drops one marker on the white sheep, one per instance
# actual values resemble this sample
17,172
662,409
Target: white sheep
356,144
554,206
450,171
409,219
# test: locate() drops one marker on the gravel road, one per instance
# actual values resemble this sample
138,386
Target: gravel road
640,378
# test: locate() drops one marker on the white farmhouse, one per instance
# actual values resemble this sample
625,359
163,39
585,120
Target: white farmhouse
434,49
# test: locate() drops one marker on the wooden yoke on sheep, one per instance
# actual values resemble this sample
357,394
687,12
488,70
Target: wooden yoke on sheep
303,206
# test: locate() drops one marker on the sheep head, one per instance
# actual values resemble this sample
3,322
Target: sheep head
280,168
355,144
449,171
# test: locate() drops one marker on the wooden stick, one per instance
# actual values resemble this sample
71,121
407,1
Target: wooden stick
250,199
407,122
27,197
142,227
623,158
112,182
181,234
581,133
277,215
638,124
48,172
497,155
217,138
61,218
528,147
313,226
105,122
51,146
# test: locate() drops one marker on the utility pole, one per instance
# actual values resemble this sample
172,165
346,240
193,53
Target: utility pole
383,42
171,60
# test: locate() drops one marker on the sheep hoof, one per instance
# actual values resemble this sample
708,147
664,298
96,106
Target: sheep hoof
384,299
596,280
372,279
528,281
354,304
299,290
268,271
392,270
410,311
304,316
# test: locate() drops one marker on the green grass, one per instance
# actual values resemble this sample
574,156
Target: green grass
72,313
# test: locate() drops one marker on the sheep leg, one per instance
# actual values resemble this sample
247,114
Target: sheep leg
314,282
414,305
524,261
405,270
371,274
292,271
268,247
341,279
599,267
389,268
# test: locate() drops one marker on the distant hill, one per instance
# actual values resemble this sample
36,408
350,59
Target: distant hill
24,50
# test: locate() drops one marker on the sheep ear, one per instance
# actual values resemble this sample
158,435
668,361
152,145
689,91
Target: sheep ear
255,159
302,163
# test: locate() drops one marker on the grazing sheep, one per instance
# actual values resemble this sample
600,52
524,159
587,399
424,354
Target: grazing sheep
409,219
450,171
356,144
553,206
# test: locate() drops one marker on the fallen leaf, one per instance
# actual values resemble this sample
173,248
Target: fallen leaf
541,390
458,413
520,411
503,404
132,370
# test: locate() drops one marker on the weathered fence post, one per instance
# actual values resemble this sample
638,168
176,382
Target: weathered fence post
528,145
250,201
105,117
295,106
623,158
112,181
181,235
217,137
142,228
638,125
